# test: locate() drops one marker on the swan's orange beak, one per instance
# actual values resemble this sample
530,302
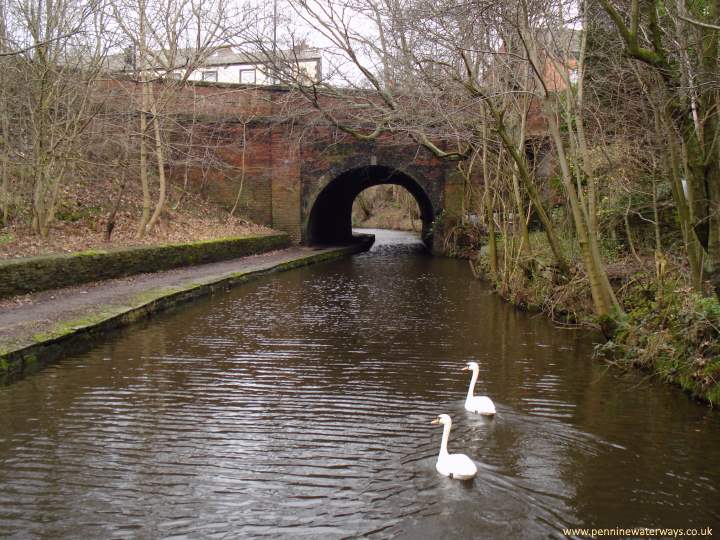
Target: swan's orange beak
436,421
466,368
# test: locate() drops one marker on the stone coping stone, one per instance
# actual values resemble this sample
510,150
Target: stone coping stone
68,336
32,274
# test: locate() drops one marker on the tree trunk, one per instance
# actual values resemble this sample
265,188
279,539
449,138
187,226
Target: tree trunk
159,154
703,176
524,175
4,159
145,217
51,204
519,204
4,190
489,207
604,300
41,128
242,172
692,247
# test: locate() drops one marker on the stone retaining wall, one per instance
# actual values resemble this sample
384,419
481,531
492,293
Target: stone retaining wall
21,276
74,335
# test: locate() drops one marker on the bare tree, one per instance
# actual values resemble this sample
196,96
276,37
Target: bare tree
168,40
680,43
57,60
433,72
4,121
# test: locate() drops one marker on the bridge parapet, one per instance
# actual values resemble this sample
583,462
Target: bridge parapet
265,151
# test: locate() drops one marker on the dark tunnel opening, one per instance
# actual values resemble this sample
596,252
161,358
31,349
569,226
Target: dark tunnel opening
330,221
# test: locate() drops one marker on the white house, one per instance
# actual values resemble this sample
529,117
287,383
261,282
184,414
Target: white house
225,65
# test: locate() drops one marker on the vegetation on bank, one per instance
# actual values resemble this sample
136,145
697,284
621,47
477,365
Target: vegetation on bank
95,214
674,332
667,328
586,139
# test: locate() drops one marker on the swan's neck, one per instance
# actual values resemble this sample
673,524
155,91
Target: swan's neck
471,389
445,437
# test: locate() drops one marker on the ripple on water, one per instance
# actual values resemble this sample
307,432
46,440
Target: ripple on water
299,406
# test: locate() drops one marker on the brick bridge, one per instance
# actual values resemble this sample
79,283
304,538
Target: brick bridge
298,173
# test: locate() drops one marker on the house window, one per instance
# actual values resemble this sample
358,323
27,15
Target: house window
176,76
210,76
247,76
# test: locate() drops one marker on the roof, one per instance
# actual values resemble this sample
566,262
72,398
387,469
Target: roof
223,56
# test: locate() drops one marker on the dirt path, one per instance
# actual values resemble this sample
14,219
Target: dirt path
23,318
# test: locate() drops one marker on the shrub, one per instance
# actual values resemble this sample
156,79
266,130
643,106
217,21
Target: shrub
674,332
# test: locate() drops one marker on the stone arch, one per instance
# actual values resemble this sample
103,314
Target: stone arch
330,220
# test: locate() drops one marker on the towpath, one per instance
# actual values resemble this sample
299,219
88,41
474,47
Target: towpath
29,321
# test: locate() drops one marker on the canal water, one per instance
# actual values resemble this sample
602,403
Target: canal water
299,406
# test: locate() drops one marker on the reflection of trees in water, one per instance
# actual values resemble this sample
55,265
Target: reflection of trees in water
370,346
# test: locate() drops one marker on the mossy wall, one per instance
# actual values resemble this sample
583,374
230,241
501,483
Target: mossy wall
21,276
76,335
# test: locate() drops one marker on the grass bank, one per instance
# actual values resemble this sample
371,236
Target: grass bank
667,330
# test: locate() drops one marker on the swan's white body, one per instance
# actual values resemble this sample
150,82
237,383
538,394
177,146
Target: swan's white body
456,466
477,404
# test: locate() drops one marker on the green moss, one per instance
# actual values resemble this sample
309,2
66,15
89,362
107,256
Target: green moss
21,276
674,333
149,296
74,213
65,328
88,253
713,395
64,334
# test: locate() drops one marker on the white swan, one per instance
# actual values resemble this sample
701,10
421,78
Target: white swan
457,466
477,404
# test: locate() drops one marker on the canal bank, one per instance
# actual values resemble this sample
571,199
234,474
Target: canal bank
298,405
39,328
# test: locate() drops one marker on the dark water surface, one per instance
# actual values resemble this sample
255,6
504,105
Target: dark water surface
299,406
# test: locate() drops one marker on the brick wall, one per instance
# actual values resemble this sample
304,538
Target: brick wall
267,145
286,184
